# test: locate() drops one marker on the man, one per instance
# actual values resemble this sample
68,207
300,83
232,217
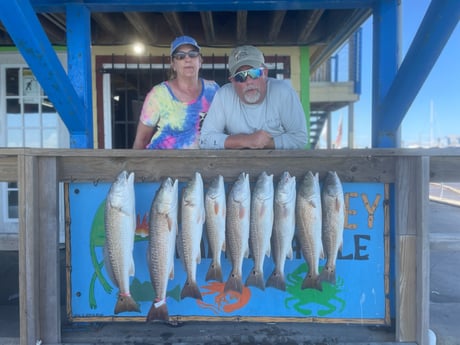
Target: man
254,111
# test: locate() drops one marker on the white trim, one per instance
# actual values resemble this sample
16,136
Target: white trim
107,113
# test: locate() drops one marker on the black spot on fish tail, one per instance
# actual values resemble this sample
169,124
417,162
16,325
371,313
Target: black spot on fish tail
126,303
214,272
234,283
276,280
312,282
190,289
158,313
327,275
256,278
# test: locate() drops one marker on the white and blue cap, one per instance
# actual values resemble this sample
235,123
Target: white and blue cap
183,40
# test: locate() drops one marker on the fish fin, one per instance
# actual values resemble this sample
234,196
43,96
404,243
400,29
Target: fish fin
256,278
276,280
158,312
246,252
262,211
190,289
242,212
327,274
216,208
312,282
289,254
171,272
312,203
125,303
202,217
132,269
234,283
214,272
170,222
337,204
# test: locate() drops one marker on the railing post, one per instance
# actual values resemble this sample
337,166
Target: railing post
39,289
412,249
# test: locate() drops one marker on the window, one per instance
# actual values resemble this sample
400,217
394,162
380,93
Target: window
27,119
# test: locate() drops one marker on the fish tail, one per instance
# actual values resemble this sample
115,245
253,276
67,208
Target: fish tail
256,278
276,280
190,289
158,311
312,282
125,303
214,272
234,283
328,274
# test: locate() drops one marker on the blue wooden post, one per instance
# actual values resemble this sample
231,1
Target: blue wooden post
79,69
386,58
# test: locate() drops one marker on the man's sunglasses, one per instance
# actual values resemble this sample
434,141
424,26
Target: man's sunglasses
254,73
180,55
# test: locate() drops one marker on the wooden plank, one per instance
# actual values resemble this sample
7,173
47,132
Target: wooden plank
405,296
49,290
423,252
29,316
8,168
412,249
155,167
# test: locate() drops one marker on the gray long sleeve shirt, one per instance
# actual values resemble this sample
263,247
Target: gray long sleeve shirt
280,114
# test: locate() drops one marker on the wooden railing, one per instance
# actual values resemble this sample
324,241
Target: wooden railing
38,173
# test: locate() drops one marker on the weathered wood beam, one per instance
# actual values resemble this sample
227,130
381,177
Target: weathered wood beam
310,23
208,26
104,21
241,26
54,33
174,22
275,27
57,19
142,26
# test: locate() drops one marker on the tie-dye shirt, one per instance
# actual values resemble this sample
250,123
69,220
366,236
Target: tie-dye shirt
177,124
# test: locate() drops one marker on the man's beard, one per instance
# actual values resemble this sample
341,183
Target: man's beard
251,96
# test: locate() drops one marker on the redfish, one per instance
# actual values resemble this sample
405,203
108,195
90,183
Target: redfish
120,227
216,210
283,228
309,221
189,239
162,242
237,232
261,227
333,222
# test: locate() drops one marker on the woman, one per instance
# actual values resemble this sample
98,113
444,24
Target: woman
173,110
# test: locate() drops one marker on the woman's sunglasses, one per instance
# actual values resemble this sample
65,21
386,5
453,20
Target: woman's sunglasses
254,73
180,55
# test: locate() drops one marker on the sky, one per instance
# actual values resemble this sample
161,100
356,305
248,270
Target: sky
435,112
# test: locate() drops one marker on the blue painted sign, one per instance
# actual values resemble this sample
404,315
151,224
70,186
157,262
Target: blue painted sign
358,295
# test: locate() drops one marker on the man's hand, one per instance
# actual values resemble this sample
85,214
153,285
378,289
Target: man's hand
257,140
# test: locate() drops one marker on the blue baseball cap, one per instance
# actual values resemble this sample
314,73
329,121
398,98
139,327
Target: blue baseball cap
183,40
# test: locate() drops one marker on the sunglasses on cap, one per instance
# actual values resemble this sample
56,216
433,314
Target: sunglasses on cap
180,55
254,73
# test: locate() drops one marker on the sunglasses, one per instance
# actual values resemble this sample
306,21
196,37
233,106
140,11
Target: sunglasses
180,55
254,73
